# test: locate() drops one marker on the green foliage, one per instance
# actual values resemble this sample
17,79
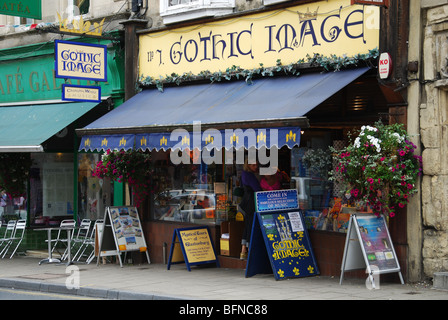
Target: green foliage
331,63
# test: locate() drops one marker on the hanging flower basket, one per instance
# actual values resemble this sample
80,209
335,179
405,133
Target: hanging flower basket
133,167
379,168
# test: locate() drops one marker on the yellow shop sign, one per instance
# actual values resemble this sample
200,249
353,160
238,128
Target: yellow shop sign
289,35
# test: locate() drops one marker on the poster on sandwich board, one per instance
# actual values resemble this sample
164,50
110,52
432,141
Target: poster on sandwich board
369,246
121,232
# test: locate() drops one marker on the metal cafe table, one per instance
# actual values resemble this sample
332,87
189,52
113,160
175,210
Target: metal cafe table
50,258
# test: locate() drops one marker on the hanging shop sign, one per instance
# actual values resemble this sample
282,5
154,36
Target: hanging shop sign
81,93
121,232
368,246
192,246
33,78
80,60
23,8
382,3
289,35
279,241
385,65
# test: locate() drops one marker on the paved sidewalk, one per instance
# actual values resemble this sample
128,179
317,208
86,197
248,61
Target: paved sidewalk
155,282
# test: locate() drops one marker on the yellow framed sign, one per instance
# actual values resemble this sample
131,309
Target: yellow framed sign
333,27
193,246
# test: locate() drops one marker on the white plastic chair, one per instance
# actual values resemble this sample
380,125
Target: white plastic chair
9,232
16,238
65,224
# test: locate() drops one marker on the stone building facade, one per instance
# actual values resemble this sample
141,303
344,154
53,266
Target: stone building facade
430,84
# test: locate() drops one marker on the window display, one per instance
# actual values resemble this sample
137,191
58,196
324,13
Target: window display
94,194
51,183
193,193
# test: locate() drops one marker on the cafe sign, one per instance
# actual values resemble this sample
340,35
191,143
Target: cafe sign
23,8
80,61
332,27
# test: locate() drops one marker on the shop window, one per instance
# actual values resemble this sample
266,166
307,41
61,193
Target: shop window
94,194
173,11
82,5
187,192
12,208
51,187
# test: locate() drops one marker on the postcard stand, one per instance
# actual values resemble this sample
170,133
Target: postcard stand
368,246
121,232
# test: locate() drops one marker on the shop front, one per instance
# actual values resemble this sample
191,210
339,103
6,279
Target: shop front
277,102
38,144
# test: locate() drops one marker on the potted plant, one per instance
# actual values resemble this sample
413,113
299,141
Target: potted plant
379,167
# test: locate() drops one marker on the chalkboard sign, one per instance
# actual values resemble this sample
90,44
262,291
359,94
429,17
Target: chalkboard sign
121,232
369,246
192,246
279,241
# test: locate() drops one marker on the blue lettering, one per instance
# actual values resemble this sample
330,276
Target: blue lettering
334,32
289,34
355,23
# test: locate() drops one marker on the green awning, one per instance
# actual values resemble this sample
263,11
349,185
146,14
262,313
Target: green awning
24,128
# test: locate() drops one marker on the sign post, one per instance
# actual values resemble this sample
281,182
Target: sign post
121,232
368,246
193,246
279,241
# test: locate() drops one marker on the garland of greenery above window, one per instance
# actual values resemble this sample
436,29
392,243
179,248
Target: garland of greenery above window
331,63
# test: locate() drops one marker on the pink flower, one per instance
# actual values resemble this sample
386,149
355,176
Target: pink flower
402,153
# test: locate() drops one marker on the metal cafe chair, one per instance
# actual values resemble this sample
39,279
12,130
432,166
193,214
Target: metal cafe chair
16,238
81,236
65,224
90,242
9,232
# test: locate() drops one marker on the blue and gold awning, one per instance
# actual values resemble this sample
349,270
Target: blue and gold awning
247,114
218,139
183,139
106,142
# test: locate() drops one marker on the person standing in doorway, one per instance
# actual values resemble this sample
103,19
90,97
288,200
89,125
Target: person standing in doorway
249,179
